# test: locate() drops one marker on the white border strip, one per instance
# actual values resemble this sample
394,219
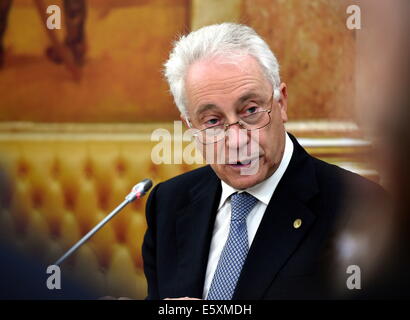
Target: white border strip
333,142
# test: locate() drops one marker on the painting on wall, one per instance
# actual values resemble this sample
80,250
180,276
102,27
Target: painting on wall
117,47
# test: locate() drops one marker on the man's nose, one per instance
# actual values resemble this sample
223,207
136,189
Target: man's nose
236,137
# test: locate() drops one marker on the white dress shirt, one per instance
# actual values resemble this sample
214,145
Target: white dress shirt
263,192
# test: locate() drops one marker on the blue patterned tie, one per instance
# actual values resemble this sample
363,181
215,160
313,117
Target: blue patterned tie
235,250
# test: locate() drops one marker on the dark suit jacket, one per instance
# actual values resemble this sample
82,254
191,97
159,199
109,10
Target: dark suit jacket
283,262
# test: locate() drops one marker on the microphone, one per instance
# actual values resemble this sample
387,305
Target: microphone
138,191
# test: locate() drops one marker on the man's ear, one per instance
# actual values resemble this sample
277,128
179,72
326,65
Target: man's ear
283,101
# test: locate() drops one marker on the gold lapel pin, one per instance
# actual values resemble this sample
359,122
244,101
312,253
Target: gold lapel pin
297,223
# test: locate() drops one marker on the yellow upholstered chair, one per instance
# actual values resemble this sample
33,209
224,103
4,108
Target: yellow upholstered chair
56,187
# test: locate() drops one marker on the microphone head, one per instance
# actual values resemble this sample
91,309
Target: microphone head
139,190
147,184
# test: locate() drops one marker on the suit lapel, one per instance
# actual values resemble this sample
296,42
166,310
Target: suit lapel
277,238
194,228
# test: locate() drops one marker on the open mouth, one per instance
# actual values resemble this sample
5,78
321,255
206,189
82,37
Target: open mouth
243,163
239,165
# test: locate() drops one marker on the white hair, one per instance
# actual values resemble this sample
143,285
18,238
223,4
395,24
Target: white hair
218,39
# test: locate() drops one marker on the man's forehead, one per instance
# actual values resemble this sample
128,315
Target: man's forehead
220,67
220,81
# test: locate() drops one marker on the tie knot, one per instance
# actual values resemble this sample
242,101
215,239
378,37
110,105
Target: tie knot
242,203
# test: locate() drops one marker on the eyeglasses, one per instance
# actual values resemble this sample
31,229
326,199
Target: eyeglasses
252,121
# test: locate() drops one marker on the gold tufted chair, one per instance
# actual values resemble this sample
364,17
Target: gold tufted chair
58,186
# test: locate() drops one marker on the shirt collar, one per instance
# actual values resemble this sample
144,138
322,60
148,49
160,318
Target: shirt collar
263,191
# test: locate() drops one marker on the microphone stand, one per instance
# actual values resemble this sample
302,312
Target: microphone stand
137,192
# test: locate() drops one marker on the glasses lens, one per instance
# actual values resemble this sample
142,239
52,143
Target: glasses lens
256,120
253,121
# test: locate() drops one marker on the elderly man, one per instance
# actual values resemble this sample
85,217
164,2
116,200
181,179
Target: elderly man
255,226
